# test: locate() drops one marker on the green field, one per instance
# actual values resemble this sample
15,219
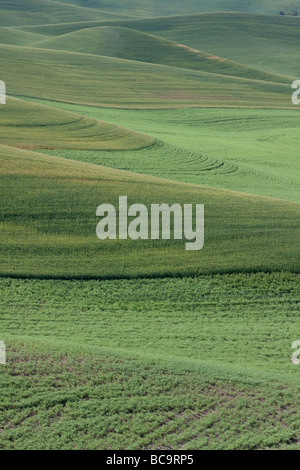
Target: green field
123,344
119,369
51,231
268,43
16,37
31,12
250,151
111,82
125,43
159,7
51,128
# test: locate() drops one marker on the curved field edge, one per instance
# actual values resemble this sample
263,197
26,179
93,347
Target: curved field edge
246,150
130,44
110,82
35,126
176,7
49,224
35,12
265,42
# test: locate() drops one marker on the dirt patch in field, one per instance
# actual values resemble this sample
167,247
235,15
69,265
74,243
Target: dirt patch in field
215,57
184,96
188,48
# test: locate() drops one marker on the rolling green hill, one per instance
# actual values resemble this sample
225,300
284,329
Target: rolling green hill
174,7
94,80
246,150
171,364
48,224
18,38
129,44
28,125
30,12
269,43
140,344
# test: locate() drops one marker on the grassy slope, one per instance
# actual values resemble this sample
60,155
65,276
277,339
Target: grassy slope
29,125
88,79
122,369
269,43
49,222
252,151
129,44
31,12
265,42
187,363
175,7
17,37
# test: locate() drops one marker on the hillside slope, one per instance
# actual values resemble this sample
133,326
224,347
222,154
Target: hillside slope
175,7
269,43
159,360
32,12
19,38
33,126
246,150
48,224
94,80
125,43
